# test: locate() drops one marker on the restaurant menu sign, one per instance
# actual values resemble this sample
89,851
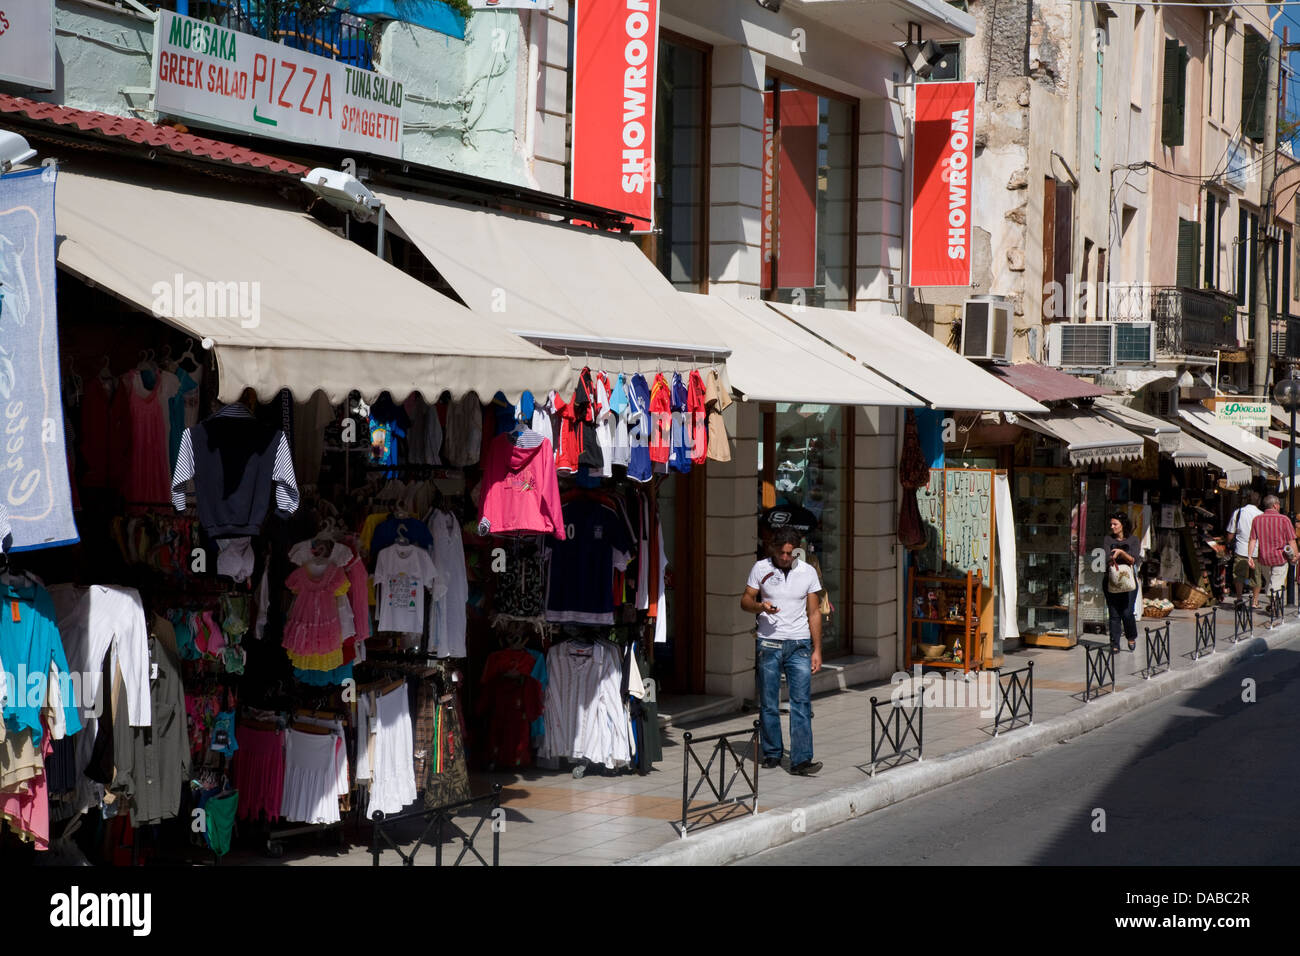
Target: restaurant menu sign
27,43
212,75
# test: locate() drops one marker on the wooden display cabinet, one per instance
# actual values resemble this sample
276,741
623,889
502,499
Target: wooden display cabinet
954,605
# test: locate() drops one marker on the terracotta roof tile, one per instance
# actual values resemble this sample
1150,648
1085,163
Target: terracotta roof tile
146,134
1045,384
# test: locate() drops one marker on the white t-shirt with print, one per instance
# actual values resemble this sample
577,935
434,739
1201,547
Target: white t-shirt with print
402,574
789,591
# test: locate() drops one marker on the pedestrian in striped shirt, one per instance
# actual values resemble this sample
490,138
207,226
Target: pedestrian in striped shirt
1276,536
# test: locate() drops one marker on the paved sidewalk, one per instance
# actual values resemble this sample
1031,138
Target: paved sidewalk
554,818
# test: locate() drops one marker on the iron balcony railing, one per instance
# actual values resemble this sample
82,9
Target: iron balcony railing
320,28
1188,321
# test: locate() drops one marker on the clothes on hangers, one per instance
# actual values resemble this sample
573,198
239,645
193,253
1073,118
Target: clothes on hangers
151,764
510,700
584,709
315,776
31,645
717,399
234,460
448,623
463,435
403,573
640,427
582,565
385,751
521,491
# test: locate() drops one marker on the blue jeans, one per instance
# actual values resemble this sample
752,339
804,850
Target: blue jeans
795,658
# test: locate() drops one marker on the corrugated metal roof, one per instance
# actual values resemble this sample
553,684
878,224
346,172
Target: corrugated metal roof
146,134
1044,384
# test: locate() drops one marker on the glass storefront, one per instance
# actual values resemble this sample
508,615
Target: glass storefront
810,489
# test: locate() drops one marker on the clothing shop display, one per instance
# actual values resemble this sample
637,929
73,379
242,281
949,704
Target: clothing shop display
315,776
661,420
463,432
385,751
682,452
446,777
717,399
511,699
152,763
403,573
582,565
30,644
147,478
584,708
448,624
234,460
521,491
259,772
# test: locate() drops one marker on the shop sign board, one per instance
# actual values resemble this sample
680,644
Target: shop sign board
27,43
34,485
236,81
1243,414
615,62
943,154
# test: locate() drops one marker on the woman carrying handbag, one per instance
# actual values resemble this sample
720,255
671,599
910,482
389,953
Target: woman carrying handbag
1123,552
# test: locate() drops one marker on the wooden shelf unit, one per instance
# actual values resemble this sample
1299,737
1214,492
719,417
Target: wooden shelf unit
967,589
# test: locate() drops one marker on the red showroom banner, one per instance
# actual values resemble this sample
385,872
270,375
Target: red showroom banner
615,53
943,151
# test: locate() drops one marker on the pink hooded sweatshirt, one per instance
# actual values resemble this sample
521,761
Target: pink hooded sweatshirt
521,488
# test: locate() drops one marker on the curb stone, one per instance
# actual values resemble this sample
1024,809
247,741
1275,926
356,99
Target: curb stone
738,839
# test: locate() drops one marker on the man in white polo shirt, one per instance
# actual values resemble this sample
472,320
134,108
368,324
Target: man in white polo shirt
783,592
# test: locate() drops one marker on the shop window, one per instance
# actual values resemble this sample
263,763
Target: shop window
806,468
679,243
808,219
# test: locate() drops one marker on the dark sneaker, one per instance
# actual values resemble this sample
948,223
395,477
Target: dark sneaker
770,763
1132,645
807,768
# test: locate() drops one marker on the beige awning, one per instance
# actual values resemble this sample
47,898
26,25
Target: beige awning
774,360
1235,473
286,302
1089,438
1241,443
899,351
571,288
1167,436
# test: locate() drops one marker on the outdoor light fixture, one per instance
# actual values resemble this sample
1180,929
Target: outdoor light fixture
773,5
13,151
344,191
922,56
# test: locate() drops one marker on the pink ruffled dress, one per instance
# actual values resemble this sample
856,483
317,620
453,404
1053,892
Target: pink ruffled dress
314,628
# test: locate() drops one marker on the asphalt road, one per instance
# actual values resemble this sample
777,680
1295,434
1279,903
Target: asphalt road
1201,778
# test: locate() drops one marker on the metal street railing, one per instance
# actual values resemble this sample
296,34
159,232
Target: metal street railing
898,735
1016,699
727,795
1099,668
436,820
1158,648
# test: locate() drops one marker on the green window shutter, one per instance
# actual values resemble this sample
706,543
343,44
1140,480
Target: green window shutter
1189,244
1211,243
1254,85
1240,247
1171,116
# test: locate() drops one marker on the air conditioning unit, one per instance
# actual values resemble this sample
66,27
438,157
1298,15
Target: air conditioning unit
1100,344
1164,403
987,327
1135,343
1081,345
